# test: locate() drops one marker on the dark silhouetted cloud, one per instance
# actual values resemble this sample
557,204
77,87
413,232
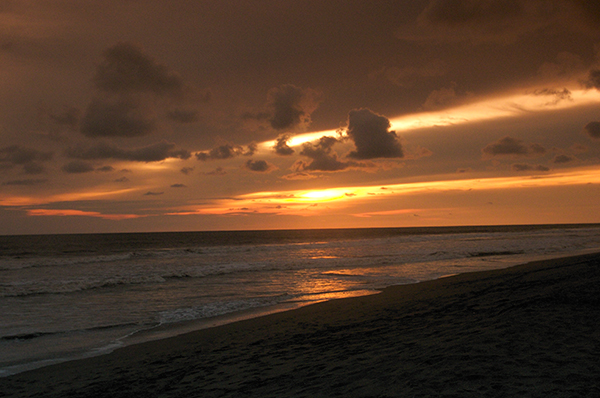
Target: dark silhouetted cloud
117,117
323,158
25,182
288,106
512,147
259,166
178,186
77,167
187,170
562,159
226,151
371,136
557,95
592,129
529,167
219,171
281,146
593,79
126,67
28,158
152,193
151,153
183,116
122,179
105,169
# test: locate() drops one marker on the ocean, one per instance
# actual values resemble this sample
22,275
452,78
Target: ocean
64,297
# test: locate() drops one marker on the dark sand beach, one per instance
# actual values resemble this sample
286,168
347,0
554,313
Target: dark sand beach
527,331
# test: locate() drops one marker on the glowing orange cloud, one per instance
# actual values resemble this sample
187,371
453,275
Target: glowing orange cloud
69,212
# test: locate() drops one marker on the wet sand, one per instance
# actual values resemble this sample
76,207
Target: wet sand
528,331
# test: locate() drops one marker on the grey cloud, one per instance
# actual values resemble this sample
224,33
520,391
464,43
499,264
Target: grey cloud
150,153
371,136
529,167
511,147
25,182
117,117
178,186
281,146
33,168
151,193
593,129
127,68
122,179
105,169
259,166
226,151
562,159
77,167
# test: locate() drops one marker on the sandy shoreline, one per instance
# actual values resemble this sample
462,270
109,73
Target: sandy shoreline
530,330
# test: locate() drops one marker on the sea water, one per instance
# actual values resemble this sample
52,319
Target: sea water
70,296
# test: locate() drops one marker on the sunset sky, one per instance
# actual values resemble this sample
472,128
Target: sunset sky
126,115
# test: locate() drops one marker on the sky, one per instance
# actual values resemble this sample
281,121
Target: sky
133,116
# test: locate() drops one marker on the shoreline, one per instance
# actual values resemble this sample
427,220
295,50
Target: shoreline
411,330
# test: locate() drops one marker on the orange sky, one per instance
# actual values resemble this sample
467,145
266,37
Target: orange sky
206,115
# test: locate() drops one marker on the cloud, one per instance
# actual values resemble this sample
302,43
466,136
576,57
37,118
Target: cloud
122,179
323,158
226,151
593,79
77,167
511,147
558,95
281,146
259,166
593,129
121,116
151,193
528,167
562,159
288,107
371,136
187,170
219,171
26,182
443,97
28,158
178,186
150,153
69,117
105,169
126,67
183,116
406,76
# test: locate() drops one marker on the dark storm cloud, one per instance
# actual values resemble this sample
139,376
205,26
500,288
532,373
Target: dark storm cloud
371,136
28,158
593,129
226,151
512,147
77,167
593,79
288,107
116,117
150,153
259,166
127,68
281,146
529,167
25,182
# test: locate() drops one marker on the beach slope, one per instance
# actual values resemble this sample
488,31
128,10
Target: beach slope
532,331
